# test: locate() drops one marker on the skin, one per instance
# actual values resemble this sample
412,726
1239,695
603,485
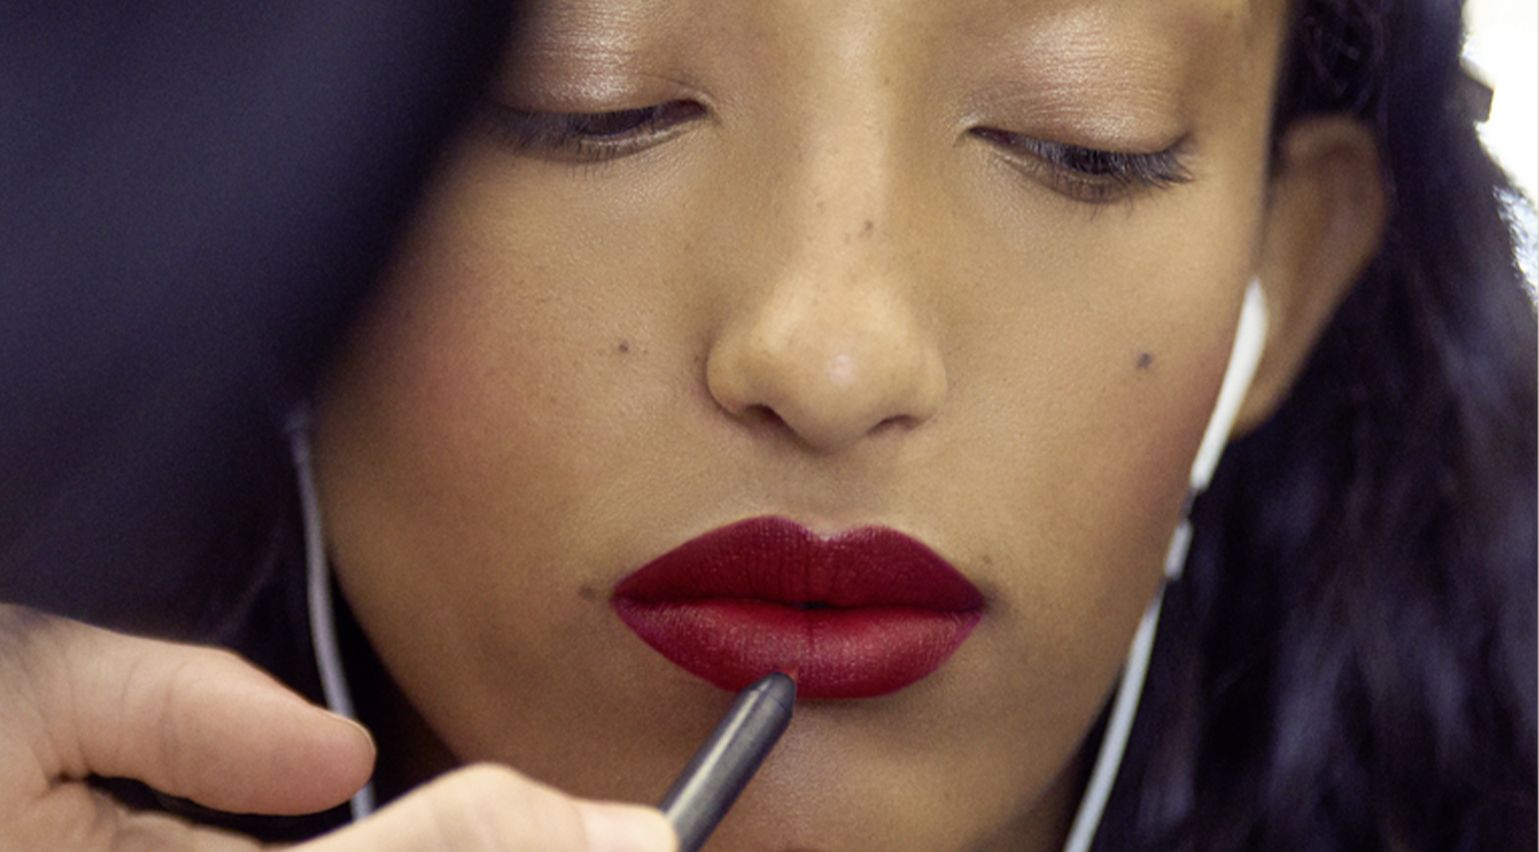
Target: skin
822,297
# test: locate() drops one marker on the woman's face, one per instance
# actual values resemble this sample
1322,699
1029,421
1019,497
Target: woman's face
858,267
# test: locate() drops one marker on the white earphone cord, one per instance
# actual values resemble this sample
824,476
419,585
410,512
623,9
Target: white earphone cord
323,628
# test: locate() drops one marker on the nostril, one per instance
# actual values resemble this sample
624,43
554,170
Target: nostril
789,372
759,413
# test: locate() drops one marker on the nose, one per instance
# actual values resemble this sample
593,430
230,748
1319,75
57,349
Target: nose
829,357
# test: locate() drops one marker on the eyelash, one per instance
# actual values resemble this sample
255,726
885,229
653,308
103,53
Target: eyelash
1090,175
587,136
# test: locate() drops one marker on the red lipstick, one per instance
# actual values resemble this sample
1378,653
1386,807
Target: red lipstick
861,614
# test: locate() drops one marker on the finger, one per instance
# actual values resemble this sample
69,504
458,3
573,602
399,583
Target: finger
193,722
73,816
484,807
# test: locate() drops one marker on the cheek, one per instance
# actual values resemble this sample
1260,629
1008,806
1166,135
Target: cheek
504,367
490,447
472,415
1086,396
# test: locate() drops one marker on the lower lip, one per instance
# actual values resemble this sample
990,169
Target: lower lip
858,652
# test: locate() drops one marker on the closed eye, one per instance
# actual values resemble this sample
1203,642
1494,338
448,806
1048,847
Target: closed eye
1091,175
587,136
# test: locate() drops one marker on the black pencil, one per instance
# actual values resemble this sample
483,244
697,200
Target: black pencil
721,768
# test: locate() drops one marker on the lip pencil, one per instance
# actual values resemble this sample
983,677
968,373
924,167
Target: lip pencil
719,771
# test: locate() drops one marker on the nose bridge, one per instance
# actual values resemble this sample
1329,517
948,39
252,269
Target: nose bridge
841,179
832,156
829,340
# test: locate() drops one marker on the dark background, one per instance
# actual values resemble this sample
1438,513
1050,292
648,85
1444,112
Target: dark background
194,198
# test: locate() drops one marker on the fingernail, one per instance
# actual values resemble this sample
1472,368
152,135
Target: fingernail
352,723
625,828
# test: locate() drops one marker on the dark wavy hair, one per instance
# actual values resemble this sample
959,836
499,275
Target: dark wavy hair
1349,661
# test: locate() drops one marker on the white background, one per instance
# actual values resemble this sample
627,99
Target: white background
1503,47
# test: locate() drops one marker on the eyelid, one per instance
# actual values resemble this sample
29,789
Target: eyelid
1083,173
1092,175
587,80
583,135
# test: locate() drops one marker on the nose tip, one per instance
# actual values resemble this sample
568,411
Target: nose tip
829,376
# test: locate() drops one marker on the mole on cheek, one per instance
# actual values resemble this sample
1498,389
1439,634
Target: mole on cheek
624,347
1145,360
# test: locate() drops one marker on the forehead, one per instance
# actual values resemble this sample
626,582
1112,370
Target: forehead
602,24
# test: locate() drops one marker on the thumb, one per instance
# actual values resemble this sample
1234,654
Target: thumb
486,807
194,722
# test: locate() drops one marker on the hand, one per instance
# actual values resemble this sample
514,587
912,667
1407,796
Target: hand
205,725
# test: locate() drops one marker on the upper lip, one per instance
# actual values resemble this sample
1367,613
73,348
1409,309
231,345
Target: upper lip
776,560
